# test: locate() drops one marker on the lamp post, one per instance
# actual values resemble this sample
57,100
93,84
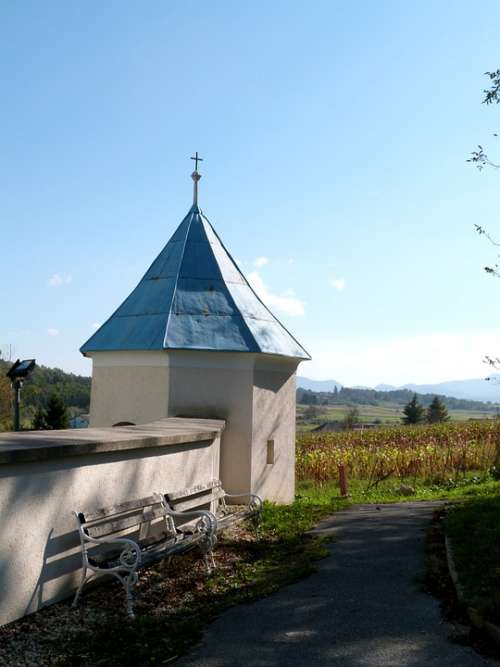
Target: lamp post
17,373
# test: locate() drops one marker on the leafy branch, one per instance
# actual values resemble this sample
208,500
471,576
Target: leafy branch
491,96
495,269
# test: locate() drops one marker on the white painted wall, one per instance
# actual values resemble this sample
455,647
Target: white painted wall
254,393
128,386
39,546
274,406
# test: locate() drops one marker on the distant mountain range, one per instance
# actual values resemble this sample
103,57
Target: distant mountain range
474,390
318,385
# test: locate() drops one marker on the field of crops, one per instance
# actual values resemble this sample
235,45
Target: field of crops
433,453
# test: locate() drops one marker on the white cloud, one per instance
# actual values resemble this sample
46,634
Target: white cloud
338,284
434,357
261,261
285,303
56,280
53,332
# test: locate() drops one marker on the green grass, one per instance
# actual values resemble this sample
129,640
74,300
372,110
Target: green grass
474,529
389,491
389,413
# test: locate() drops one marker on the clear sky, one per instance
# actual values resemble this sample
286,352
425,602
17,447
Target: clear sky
334,135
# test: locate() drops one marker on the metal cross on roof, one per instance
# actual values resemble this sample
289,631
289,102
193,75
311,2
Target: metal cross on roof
196,159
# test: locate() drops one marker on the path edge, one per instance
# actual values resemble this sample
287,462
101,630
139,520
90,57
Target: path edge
475,617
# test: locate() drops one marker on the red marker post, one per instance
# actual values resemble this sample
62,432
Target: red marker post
344,492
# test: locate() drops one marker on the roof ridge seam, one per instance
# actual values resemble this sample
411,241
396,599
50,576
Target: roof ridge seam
256,295
177,278
233,302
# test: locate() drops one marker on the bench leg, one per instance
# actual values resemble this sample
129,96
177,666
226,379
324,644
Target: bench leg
80,587
208,557
128,583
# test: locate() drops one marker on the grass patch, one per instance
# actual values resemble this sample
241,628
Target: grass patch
394,490
386,413
474,528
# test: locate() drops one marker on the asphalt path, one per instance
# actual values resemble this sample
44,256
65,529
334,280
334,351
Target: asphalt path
363,608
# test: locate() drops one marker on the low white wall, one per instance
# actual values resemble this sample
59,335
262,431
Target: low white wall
39,546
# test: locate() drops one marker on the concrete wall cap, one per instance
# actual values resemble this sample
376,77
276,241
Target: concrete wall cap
29,446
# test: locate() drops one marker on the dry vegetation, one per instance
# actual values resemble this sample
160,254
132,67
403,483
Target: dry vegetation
432,453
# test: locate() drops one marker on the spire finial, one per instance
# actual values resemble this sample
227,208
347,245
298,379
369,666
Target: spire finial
196,177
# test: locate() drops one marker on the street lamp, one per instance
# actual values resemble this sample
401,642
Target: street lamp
18,372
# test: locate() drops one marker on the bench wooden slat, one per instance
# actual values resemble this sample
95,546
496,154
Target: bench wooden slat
234,517
119,524
197,501
194,490
122,508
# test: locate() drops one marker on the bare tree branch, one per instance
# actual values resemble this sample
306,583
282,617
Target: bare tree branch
492,270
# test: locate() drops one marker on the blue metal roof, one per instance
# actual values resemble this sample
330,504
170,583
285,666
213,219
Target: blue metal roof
194,297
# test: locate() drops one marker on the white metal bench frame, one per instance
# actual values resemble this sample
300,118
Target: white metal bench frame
100,527
212,493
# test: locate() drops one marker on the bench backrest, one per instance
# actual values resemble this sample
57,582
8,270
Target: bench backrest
119,518
196,496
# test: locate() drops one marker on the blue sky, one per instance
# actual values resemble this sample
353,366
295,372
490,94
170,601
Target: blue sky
334,135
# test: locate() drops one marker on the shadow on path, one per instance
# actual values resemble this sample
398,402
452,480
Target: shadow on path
363,608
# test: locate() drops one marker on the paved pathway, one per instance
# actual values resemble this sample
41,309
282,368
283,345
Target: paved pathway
364,607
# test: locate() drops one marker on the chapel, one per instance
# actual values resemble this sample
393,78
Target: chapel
194,340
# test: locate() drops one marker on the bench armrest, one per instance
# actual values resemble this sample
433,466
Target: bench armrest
130,557
207,519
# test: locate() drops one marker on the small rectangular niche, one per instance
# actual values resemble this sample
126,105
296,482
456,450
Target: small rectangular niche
270,452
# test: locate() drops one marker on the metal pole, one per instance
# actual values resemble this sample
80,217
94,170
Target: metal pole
17,401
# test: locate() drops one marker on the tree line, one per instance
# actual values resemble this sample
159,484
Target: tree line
373,397
48,398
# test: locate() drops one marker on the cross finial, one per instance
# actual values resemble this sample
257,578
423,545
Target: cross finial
196,177
196,160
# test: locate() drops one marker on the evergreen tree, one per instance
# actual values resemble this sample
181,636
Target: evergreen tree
39,422
351,418
5,403
437,411
56,415
413,411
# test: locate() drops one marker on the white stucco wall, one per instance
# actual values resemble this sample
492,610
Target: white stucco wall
218,386
129,386
39,546
274,406
254,393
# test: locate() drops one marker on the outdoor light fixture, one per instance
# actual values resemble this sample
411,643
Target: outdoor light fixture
17,373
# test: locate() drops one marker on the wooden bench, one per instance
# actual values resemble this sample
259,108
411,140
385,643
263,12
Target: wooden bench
212,496
122,539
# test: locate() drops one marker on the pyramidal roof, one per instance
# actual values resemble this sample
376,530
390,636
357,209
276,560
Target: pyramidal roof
194,297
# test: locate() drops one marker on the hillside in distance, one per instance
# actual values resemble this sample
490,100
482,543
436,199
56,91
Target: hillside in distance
396,398
477,389
74,389
317,385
